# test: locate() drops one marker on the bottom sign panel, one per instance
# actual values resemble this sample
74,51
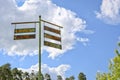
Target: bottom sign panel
46,43
20,37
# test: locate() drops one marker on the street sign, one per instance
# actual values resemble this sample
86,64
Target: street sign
50,44
23,33
51,30
20,37
52,37
24,30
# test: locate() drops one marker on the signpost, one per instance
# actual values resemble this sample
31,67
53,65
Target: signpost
29,33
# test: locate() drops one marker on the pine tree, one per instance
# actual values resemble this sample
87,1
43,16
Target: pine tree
81,76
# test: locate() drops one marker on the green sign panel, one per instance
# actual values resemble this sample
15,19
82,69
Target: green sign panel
46,43
20,37
25,30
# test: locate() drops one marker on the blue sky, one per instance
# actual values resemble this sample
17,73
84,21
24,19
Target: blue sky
92,46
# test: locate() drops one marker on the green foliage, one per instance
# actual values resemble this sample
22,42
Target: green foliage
114,69
70,78
67,79
102,76
119,44
47,76
5,72
17,74
81,76
59,77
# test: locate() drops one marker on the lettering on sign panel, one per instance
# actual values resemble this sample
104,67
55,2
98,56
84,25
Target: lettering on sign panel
52,37
19,37
24,30
52,44
52,30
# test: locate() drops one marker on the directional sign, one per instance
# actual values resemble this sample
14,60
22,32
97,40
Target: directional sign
20,37
52,30
52,44
52,37
24,30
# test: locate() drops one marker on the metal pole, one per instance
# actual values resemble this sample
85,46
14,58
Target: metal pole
39,78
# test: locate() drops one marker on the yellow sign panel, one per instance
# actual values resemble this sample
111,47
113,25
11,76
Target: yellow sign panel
24,30
52,30
46,43
20,37
52,37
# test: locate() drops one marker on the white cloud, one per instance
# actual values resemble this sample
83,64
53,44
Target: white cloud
110,11
88,31
53,71
30,11
83,40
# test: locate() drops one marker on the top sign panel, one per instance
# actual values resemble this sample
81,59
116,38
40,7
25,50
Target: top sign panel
24,30
52,30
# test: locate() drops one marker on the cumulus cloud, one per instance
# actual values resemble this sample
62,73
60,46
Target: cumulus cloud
110,11
30,11
53,71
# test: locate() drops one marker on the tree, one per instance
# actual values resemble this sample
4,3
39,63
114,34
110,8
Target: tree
72,78
81,76
35,75
42,76
59,77
101,76
5,72
47,76
67,79
20,74
1,73
26,75
114,68
32,75
17,74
